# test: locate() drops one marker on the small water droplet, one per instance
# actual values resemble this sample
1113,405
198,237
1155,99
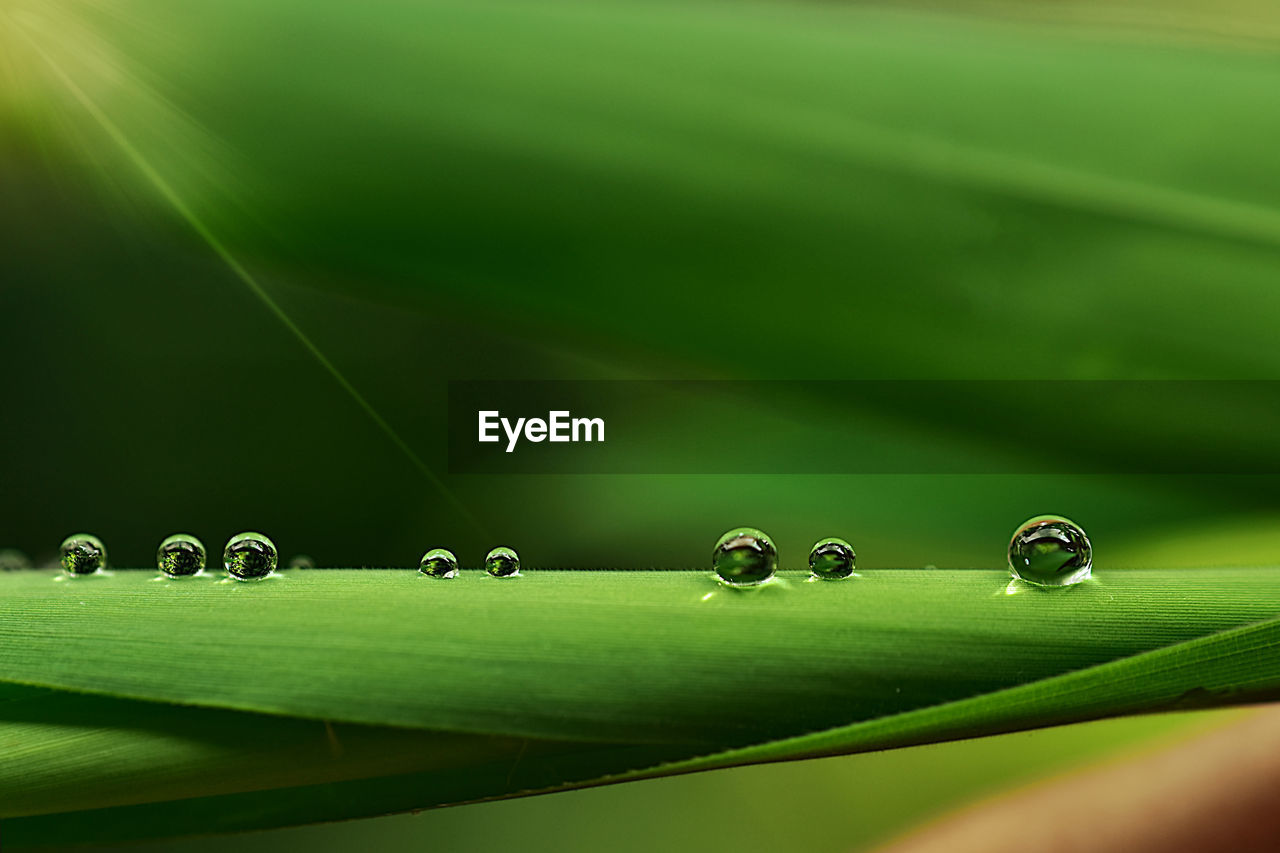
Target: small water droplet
12,560
832,559
745,557
440,563
502,563
300,561
249,556
1050,550
82,554
180,556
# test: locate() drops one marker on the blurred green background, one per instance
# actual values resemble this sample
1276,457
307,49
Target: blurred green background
619,190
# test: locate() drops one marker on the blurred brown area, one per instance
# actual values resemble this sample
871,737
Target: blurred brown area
1217,792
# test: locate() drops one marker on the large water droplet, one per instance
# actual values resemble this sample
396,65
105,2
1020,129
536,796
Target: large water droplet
832,559
82,554
12,560
745,557
502,563
1050,550
180,556
249,556
440,563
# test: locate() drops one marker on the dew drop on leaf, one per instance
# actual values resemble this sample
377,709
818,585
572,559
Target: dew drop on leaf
440,563
180,556
745,557
832,559
502,563
300,561
249,556
82,554
12,560
1050,550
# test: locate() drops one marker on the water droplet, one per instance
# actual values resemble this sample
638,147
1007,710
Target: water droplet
439,563
300,561
12,560
82,554
180,556
745,557
1050,550
832,559
249,557
502,563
